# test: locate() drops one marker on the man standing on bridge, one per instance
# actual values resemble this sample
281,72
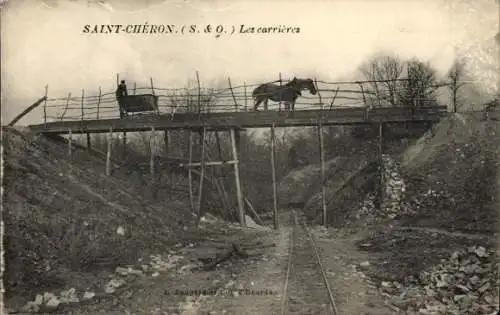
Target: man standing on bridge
120,92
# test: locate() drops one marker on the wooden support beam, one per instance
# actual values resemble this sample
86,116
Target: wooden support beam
239,194
190,174
98,101
166,141
108,153
27,110
152,141
381,163
88,140
275,189
202,172
322,168
124,140
252,209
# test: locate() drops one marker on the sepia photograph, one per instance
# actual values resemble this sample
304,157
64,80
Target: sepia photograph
183,157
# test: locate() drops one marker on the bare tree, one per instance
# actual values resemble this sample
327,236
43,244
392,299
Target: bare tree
420,85
384,73
455,75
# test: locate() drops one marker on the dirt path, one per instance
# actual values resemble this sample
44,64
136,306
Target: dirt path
353,292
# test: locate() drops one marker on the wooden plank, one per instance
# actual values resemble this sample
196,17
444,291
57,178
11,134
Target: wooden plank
275,189
239,194
354,116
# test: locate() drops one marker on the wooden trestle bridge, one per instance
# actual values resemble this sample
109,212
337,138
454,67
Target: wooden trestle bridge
232,117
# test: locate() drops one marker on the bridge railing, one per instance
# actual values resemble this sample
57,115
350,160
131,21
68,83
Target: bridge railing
233,98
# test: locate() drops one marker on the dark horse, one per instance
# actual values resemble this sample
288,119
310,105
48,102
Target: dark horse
287,93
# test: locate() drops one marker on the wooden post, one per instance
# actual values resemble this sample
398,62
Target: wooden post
273,164
381,163
124,143
279,103
232,93
319,94
166,141
99,101
202,172
199,91
362,92
117,80
135,87
333,98
70,140
322,168
66,108
153,92
152,141
45,104
108,154
190,174
237,177
245,91
88,140
83,97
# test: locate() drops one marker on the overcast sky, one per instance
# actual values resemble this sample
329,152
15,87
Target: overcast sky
43,42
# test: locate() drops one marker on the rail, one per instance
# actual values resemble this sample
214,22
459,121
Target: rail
308,244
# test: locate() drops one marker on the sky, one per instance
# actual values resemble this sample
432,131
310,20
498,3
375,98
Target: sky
43,43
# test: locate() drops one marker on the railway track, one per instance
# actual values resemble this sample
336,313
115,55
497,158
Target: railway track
306,289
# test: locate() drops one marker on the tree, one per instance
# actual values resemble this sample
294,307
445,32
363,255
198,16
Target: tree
420,85
384,73
455,75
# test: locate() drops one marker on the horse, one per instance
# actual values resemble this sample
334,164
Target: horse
287,93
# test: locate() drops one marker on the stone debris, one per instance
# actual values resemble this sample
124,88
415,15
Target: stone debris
88,295
466,283
158,263
128,271
45,303
113,284
120,231
394,188
69,296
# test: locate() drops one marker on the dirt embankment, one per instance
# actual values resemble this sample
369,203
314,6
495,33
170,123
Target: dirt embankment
64,218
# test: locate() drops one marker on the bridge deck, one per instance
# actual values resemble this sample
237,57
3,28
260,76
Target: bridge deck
226,120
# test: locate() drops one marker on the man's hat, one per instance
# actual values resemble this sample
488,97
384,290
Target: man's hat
123,81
